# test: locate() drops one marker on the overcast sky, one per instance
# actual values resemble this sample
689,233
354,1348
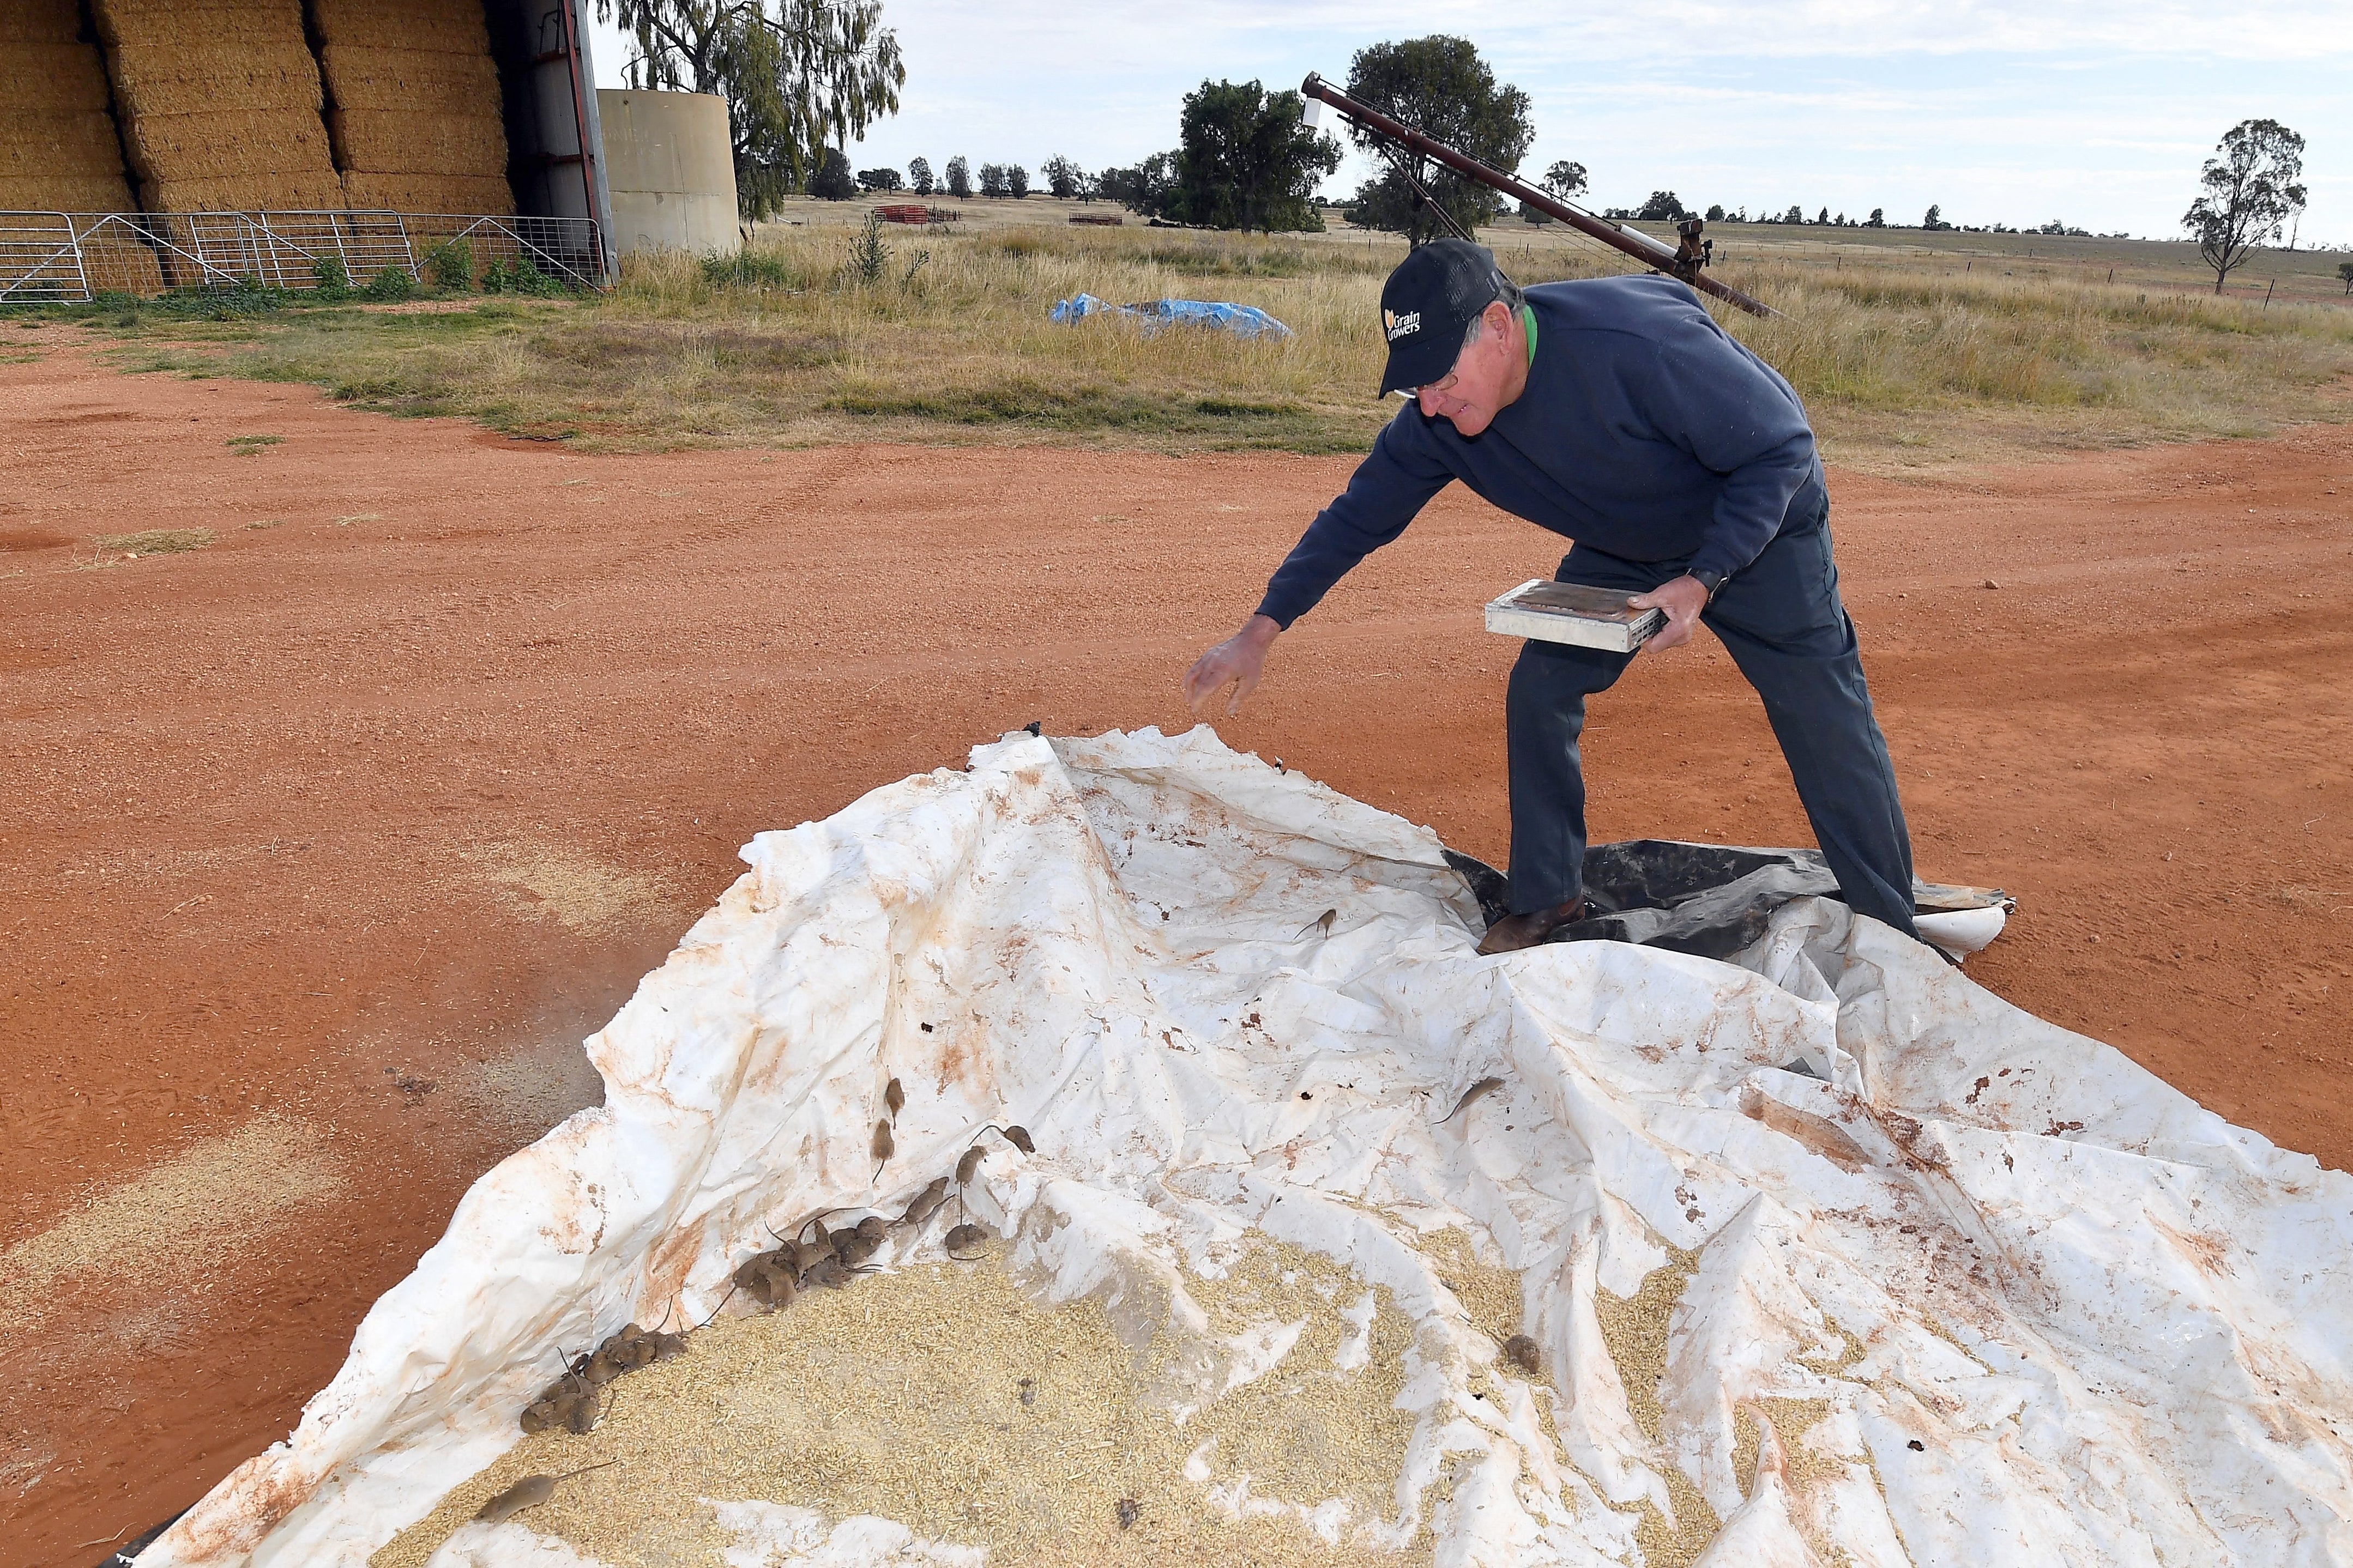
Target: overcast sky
2095,111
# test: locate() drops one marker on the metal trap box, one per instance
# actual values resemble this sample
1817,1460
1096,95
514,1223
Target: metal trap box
1574,613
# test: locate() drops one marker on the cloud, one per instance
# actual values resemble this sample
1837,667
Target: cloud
1141,32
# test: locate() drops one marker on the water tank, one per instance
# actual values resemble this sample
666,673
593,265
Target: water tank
669,164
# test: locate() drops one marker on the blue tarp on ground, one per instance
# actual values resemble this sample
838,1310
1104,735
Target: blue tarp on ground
1244,320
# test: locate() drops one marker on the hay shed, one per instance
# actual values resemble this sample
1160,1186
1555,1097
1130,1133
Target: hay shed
671,169
59,148
474,107
414,106
220,103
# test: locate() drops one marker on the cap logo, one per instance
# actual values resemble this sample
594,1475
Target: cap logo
1399,326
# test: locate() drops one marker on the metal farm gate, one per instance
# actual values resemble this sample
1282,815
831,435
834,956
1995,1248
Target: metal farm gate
72,257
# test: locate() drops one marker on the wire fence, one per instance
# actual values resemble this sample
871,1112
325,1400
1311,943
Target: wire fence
71,257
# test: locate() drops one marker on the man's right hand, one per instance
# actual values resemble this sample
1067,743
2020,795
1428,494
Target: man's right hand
1237,662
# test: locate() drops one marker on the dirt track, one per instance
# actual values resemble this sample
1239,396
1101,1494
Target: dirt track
324,846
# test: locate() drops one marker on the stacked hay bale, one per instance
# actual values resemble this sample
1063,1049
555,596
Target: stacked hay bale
59,151
220,103
415,105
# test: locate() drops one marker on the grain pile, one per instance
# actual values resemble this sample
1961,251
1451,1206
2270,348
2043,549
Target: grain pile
414,105
946,1397
59,151
220,103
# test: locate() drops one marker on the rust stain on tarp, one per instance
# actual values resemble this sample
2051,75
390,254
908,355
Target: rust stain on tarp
1825,1139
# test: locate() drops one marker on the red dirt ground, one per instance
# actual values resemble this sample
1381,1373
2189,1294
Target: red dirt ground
339,835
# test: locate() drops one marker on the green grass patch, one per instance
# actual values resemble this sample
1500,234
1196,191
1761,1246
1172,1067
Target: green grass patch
1022,403
169,361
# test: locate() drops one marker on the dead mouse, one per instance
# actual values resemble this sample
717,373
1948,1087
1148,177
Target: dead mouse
529,1492
1479,1091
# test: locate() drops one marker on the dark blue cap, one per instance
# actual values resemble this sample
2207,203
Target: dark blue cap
1427,305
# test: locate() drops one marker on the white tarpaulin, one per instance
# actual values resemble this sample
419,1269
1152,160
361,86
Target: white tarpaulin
1953,1285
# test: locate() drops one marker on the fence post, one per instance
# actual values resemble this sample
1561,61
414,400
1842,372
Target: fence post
260,273
81,269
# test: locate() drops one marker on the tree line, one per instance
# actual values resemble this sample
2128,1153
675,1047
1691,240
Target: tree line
1063,180
1665,206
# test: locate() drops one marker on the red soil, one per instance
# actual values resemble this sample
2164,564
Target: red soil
364,818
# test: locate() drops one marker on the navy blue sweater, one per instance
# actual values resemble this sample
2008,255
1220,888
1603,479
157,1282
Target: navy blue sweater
1645,431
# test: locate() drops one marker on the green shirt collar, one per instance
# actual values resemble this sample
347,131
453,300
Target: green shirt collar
1528,318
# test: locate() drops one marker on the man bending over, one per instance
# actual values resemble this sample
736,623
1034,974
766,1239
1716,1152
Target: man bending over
1616,412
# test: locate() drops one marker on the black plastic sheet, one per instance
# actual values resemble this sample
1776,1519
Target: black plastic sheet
1710,900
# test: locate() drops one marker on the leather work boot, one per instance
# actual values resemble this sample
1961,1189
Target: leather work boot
1513,932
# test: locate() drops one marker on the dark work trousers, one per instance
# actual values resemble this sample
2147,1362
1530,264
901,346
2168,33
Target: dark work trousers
1781,618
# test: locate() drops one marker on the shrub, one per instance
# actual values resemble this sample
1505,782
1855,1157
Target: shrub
751,270
868,255
335,281
520,276
392,284
450,265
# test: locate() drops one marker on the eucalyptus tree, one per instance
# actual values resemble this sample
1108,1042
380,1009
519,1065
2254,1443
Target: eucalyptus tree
799,77
2251,189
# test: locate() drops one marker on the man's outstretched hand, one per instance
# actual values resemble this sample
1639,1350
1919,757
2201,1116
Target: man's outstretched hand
1237,662
1683,599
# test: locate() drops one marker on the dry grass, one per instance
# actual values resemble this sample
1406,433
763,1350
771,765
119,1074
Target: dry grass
1905,359
1902,365
157,540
